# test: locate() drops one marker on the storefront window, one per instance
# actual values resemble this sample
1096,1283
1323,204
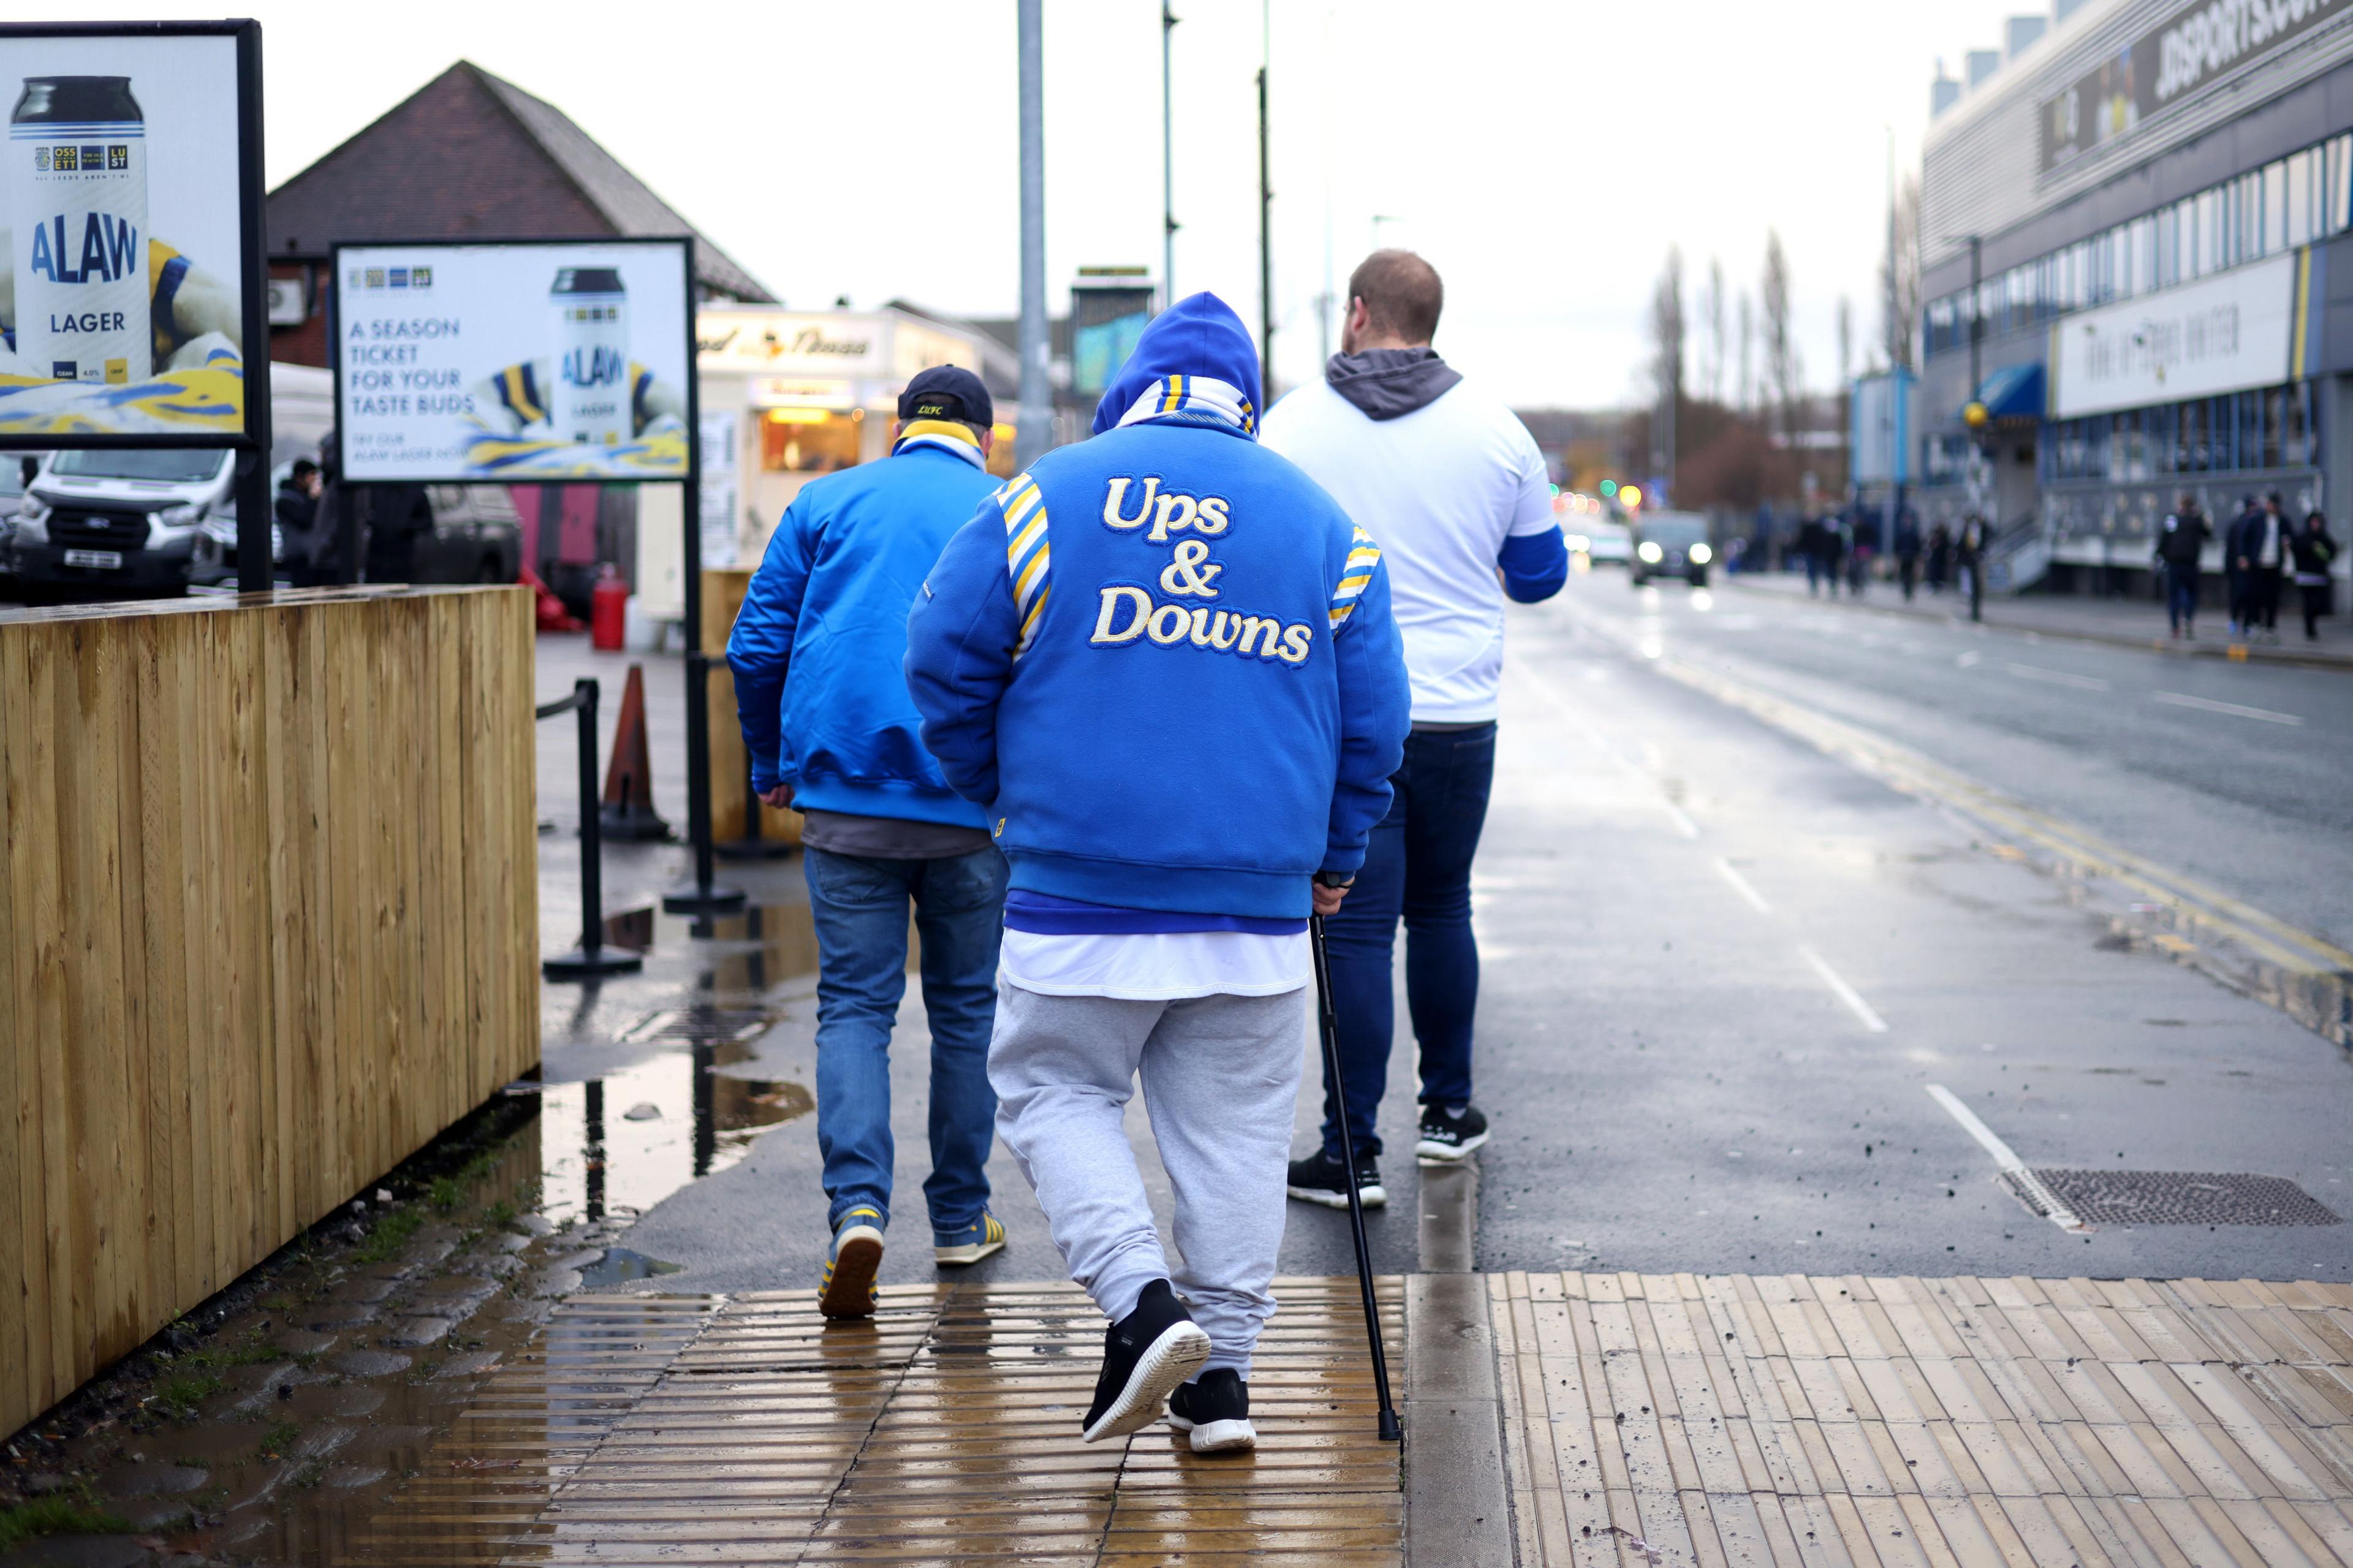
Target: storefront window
2299,199
809,440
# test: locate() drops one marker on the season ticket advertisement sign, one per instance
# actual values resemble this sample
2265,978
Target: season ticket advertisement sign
521,361
124,192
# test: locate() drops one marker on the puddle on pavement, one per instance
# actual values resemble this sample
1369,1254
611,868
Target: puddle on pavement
619,1144
621,1265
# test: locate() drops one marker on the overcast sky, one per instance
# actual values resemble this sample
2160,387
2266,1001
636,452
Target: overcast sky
1543,155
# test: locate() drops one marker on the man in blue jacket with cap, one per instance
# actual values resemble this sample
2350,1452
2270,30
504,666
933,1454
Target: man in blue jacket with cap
1164,660
825,715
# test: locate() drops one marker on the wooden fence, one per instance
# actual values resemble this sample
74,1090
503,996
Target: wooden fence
269,923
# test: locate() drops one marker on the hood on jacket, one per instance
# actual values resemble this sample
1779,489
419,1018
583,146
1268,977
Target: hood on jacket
1200,335
1388,382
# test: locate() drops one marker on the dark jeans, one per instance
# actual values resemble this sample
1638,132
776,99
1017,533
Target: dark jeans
2181,594
1418,866
2264,596
859,908
2316,604
1907,573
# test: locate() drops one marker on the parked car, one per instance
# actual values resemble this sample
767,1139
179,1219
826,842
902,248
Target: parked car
121,521
1602,541
477,536
1671,545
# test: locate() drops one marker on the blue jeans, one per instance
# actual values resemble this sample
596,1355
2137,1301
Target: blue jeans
2180,595
1418,866
859,908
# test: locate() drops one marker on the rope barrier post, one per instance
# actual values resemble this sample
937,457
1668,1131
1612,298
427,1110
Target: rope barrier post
754,845
591,958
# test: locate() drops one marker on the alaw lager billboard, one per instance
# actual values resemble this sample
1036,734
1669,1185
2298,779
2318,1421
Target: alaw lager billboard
131,200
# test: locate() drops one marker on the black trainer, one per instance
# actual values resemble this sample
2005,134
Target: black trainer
1322,1179
1145,1354
1214,1409
1446,1137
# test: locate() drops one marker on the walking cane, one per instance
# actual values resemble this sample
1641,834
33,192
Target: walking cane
1390,1433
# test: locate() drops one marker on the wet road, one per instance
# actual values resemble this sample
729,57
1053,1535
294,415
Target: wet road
1725,967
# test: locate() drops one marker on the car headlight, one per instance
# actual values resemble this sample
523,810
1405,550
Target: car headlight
187,514
32,522
1701,554
1578,543
1651,553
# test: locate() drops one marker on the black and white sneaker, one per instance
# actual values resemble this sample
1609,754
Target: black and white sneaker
1214,1409
1145,1354
1446,1137
1321,1179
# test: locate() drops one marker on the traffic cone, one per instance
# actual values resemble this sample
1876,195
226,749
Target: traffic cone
628,805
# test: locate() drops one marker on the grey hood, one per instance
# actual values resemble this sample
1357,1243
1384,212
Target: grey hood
1388,382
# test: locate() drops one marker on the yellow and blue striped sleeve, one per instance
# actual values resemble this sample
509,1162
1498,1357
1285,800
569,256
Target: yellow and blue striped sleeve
1028,562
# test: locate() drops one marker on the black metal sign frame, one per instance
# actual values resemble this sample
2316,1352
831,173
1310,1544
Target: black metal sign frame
251,444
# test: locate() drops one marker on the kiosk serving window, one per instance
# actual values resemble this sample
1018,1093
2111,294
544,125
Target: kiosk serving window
809,440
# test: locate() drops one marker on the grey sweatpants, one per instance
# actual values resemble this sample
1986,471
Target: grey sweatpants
1221,1080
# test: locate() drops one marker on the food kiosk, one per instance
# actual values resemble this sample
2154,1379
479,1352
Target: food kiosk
788,396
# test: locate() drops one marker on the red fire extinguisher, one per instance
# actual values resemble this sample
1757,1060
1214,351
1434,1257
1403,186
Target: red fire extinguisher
608,615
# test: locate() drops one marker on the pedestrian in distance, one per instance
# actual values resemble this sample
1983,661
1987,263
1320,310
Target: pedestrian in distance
1941,556
337,545
1837,542
397,516
2314,548
1908,552
296,511
1811,546
1165,662
1968,555
1453,487
2180,540
2235,576
833,733
2263,559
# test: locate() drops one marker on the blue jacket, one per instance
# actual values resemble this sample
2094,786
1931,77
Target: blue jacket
1164,657
815,651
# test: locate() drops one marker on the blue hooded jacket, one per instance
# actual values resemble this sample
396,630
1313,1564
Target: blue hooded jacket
815,651
1163,658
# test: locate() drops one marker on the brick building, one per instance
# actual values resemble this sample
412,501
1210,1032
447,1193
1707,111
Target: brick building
467,155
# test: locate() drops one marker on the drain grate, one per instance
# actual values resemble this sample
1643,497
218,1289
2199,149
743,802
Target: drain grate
2175,1197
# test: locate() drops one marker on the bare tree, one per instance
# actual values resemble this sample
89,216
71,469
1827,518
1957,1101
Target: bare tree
1667,332
1747,389
1714,331
1899,276
1846,343
1783,377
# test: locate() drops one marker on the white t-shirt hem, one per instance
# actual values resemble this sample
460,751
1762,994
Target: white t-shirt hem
1178,993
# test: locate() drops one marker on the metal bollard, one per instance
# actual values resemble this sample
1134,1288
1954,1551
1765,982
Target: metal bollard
754,845
592,957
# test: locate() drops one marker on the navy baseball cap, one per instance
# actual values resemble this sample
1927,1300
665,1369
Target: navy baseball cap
947,392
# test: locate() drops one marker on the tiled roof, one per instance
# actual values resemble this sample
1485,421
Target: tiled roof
470,154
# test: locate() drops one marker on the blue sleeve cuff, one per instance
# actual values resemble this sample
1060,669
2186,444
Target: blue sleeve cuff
1535,565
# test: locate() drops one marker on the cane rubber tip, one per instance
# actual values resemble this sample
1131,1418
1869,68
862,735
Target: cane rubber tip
1390,1432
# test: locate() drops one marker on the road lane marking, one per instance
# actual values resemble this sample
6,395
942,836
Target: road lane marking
2237,709
1740,885
2055,676
1600,742
1844,993
1899,766
2009,1164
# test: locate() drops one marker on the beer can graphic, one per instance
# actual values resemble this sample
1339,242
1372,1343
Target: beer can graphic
592,357
77,215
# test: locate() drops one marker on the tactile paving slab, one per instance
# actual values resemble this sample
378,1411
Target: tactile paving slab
746,1429
1670,1420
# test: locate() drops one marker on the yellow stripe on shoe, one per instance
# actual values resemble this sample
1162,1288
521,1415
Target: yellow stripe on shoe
982,1239
850,1265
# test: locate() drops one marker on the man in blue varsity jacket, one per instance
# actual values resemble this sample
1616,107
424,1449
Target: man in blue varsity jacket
816,654
1163,661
